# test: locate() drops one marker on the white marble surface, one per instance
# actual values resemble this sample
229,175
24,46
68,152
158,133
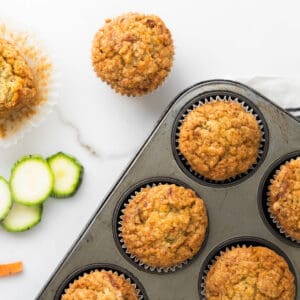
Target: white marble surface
213,39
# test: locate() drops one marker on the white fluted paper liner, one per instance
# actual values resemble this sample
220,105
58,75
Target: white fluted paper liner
47,84
118,273
272,217
133,257
218,98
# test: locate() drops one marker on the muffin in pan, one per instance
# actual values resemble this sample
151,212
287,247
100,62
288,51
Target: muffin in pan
250,273
220,139
101,284
284,199
133,53
164,226
17,88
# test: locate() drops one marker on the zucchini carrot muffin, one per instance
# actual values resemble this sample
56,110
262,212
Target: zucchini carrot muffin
220,139
133,53
17,88
164,225
26,85
250,273
104,285
284,198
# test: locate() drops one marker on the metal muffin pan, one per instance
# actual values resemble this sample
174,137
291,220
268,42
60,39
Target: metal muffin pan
235,210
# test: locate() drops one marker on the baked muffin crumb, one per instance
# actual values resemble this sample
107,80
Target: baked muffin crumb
104,285
133,53
250,273
17,89
164,225
220,140
284,198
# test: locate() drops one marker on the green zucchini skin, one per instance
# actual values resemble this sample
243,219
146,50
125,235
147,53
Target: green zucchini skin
6,210
19,199
8,222
53,161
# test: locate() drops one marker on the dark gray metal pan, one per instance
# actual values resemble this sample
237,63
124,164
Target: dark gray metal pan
235,209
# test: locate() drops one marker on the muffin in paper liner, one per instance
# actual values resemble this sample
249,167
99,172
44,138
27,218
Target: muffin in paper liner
138,58
137,261
220,97
289,274
117,281
16,124
277,184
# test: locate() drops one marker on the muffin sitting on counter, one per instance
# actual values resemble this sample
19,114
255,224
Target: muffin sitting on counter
133,53
17,88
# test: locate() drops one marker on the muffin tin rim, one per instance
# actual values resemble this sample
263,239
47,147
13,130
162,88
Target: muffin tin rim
262,197
116,218
240,241
244,176
98,266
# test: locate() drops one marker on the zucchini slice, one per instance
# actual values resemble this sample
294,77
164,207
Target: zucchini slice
67,171
5,198
21,217
31,180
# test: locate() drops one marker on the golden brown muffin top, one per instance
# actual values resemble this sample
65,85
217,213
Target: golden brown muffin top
16,80
133,53
100,285
284,197
164,225
220,139
253,273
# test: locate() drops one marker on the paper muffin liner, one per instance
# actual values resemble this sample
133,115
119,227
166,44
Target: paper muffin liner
247,242
268,202
46,76
225,98
133,258
137,286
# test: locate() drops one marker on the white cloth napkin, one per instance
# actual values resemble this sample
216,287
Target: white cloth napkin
283,91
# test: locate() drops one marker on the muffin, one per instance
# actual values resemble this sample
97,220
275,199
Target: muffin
164,225
250,273
17,88
284,198
104,285
133,53
27,85
220,140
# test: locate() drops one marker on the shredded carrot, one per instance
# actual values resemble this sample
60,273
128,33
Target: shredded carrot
10,269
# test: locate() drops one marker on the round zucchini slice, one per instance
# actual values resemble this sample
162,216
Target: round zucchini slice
31,180
67,171
22,217
5,198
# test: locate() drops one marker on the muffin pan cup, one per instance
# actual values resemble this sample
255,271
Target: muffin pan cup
117,225
246,241
234,209
141,293
264,201
216,96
